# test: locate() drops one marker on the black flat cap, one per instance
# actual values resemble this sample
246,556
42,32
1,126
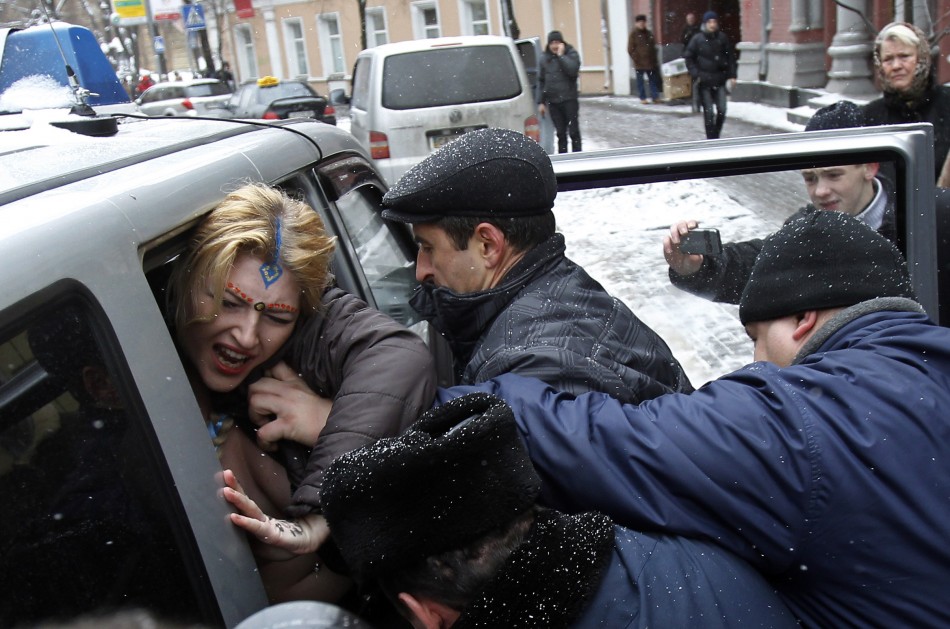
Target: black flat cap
488,172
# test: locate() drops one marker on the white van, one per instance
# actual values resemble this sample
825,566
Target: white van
412,97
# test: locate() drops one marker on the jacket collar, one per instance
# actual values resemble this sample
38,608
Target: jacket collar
463,317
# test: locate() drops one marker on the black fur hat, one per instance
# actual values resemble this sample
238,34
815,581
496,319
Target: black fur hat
822,260
487,172
840,115
459,472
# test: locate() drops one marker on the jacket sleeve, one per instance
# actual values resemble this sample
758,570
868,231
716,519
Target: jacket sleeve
721,278
716,464
689,55
380,375
571,63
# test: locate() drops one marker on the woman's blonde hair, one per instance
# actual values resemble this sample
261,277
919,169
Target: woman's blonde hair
261,221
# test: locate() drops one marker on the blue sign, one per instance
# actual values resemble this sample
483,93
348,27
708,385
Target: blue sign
159,44
194,17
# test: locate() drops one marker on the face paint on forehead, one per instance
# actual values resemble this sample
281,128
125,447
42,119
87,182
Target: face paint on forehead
271,271
260,306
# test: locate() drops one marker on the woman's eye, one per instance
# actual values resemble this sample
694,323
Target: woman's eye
280,320
229,305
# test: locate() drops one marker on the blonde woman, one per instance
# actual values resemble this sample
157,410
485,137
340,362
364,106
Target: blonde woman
288,370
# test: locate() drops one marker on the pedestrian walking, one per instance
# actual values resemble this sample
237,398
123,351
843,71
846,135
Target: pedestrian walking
710,59
557,81
641,46
690,29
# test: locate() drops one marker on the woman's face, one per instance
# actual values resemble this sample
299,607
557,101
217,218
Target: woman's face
253,322
898,64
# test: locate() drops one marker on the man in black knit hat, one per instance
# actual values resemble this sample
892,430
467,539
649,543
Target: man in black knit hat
557,93
443,518
496,282
824,464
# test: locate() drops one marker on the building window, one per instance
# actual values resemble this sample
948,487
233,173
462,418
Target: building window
296,47
331,44
246,57
425,20
475,17
376,34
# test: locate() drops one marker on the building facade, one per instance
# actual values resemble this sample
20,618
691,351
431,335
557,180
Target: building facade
784,46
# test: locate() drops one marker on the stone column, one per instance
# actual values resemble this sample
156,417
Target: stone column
851,49
273,42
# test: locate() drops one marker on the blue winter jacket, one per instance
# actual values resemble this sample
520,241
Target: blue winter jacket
664,581
831,476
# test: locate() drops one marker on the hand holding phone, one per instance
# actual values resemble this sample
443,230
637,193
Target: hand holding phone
701,241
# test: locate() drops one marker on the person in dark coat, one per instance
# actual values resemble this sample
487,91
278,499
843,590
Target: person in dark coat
490,557
641,46
711,60
907,75
856,189
823,465
496,283
691,28
557,90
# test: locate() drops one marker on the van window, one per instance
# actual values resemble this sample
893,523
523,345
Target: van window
361,74
449,76
87,524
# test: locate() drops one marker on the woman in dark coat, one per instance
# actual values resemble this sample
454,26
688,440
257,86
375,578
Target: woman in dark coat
907,74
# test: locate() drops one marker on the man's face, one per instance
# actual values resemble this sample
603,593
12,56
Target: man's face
642,25
439,262
774,341
712,25
690,18
847,189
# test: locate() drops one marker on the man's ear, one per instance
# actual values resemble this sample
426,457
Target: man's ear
491,243
806,323
429,614
871,169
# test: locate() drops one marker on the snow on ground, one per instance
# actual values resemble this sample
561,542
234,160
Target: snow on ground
616,235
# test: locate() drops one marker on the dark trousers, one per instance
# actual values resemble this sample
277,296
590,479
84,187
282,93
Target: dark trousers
714,109
564,117
653,78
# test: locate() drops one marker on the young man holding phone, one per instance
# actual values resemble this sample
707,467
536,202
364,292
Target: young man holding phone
697,267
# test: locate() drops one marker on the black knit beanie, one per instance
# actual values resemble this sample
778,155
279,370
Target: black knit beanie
487,172
554,36
458,473
840,115
822,260
710,15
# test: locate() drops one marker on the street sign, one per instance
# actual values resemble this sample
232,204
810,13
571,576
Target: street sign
193,16
159,45
129,12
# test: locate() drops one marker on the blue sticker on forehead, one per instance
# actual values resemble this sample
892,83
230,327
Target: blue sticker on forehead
271,271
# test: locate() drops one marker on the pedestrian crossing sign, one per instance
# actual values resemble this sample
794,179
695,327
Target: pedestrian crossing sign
194,17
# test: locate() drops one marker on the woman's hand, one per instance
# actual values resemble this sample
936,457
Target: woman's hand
284,407
282,539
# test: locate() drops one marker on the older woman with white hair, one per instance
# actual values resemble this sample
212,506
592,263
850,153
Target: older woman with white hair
906,71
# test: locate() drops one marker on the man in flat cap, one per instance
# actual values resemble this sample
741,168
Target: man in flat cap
496,282
444,519
824,464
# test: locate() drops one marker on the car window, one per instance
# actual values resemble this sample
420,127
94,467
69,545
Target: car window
449,76
87,519
207,89
152,94
282,90
361,74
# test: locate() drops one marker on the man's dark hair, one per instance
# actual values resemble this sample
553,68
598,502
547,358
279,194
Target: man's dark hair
522,233
455,578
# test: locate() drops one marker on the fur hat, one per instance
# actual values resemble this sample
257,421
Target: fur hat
911,34
457,474
487,172
640,18
822,260
710,15
555,36
841,115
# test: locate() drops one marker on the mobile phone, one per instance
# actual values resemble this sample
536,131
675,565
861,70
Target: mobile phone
702,241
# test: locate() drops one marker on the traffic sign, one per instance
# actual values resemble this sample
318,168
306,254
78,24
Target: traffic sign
193,16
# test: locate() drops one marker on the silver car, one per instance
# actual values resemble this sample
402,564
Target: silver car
183,98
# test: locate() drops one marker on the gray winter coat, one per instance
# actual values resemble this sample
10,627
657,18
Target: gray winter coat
557,76
549,319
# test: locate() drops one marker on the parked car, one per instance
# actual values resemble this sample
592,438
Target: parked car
271,98
89,229
183,98
409,98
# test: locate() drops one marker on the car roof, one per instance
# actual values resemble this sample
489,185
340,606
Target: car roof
436,42
185,83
